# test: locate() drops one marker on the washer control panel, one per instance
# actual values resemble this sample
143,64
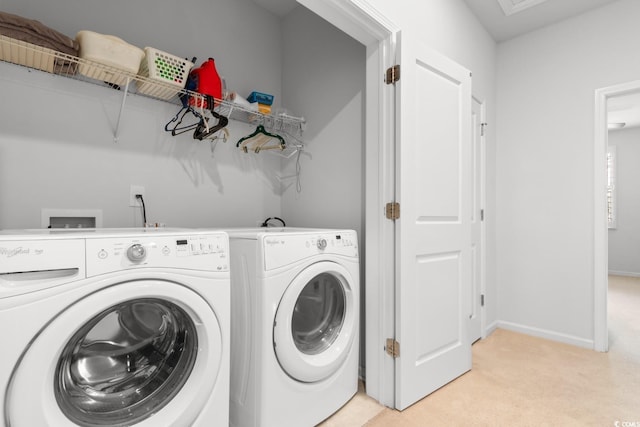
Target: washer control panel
205,252
284,249
31,265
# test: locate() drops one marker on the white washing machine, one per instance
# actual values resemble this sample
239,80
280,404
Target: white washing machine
114,328
295,325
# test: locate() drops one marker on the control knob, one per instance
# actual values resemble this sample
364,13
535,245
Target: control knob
136,253
322,244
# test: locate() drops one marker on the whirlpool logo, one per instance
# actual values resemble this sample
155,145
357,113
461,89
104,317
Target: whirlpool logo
12,252
273,242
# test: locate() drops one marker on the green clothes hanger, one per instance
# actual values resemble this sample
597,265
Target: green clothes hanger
261,137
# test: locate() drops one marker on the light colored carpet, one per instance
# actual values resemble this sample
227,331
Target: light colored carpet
519,380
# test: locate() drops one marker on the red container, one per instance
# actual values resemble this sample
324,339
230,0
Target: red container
207,82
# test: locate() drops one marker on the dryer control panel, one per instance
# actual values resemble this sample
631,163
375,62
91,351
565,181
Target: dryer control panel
283,249
204,252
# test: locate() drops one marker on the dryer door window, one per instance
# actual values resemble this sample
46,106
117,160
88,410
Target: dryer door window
316,322
318,314
126,363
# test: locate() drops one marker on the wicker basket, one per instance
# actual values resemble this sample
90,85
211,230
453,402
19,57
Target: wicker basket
27,54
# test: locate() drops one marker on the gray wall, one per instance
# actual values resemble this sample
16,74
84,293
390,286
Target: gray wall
624,240
56,135
66,158
324,78
546,82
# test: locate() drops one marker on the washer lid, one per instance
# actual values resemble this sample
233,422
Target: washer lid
315,322
124,355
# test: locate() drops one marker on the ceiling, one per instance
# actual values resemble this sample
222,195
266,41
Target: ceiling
506,19
526,15
523,15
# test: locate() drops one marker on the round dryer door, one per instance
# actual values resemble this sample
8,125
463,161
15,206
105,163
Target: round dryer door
316,322
119,356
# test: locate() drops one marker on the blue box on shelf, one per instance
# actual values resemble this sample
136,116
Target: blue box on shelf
261,98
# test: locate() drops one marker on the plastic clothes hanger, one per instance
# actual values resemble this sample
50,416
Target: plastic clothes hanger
174,119
260,137
203,130
177,129
257,141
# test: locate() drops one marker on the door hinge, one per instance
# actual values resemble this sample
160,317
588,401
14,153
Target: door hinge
393,210
482,300
393,74
393,348
481,214
482,126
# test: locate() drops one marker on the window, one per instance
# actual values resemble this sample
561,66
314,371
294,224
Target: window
611,187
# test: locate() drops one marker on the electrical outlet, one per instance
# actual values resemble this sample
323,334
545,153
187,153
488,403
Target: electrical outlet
135,189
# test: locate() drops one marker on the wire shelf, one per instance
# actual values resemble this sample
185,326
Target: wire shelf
48,60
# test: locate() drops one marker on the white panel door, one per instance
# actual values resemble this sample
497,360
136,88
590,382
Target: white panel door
475,324
433,246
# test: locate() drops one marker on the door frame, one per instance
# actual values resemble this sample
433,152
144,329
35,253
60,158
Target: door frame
600,224
365,24
483,223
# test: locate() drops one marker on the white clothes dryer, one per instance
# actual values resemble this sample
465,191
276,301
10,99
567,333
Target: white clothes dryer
114,327
295,325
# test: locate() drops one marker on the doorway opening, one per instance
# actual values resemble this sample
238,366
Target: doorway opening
601,211
623,211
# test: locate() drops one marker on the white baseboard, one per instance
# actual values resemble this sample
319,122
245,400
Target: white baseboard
550,335
490,329
623,273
